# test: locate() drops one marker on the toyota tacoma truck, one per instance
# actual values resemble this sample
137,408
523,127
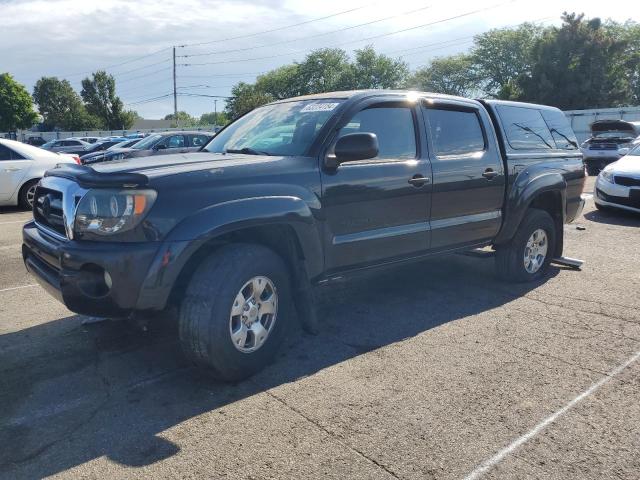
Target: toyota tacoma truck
238,237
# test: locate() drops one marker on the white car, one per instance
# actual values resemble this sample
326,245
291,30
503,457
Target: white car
618,185
21,167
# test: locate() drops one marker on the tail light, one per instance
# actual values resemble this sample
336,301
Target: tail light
77,159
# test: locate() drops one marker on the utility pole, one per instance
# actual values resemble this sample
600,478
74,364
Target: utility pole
215,113
175,93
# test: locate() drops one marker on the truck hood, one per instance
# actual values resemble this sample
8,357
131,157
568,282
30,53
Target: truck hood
142,170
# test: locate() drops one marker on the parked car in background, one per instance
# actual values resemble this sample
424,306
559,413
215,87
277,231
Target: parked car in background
67,145
102,145
88,139
21,167
610,140
618,185
161,144
35,141
97,156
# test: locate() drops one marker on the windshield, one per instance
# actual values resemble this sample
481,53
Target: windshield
635,151
147,143
279,129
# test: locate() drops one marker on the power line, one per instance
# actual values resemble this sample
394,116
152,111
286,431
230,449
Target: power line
306,22
147,100
145,75
306,37
135,59
455,17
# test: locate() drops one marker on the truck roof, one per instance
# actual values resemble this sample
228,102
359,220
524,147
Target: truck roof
348,94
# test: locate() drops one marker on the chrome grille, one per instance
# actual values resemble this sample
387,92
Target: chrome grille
48,210
603,146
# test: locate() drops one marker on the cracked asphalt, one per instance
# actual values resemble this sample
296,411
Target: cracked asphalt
427,371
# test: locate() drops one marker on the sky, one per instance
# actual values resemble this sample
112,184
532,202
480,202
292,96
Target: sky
236,39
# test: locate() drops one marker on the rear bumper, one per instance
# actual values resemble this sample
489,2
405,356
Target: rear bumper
74,272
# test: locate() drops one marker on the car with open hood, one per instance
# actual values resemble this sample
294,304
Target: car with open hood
610,140
618,184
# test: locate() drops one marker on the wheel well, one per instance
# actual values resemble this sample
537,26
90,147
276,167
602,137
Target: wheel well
551,202
282,239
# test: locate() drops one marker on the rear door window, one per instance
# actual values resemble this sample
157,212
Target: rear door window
198,140
394,127
455,132
525,128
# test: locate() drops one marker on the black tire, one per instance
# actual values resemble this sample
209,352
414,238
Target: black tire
23,195
510,257
592,170
204,320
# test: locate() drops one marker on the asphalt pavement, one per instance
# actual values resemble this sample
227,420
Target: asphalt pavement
436,370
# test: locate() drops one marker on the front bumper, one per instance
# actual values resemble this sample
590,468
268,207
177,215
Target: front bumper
73,272
619,196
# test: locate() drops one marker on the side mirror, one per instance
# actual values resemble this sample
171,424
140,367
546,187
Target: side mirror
351,147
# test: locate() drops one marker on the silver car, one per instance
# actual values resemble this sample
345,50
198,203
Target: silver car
66,145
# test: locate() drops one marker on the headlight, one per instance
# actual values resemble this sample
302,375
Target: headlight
106,212
607,175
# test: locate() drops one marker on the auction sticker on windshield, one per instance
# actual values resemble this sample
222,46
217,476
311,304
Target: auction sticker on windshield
319,107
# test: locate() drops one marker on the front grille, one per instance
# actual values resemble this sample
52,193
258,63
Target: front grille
633,200
47,210
603,146
627,181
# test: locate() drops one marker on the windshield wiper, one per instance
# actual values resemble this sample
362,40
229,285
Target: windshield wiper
246,150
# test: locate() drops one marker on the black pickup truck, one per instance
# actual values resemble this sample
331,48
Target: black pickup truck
297,194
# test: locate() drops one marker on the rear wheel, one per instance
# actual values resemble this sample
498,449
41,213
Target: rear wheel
27,194
528,255
236,311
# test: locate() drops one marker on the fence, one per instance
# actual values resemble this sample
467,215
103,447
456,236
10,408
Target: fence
581,120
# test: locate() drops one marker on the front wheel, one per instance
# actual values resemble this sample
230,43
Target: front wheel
236,311
27,194
528,255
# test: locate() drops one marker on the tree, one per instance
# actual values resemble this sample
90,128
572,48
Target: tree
371,70
453,75
99,95
325,70
283,82
212,118
244,98
579,65
16,106
61,107
501,56
183,119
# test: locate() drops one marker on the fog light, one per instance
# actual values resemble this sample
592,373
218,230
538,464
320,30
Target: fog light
107,280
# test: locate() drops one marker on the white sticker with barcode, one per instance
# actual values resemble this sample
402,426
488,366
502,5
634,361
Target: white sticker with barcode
319,107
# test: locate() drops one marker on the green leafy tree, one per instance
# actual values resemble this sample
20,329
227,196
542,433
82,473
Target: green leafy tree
16,105
61,107
212,118
372,70
502,56
183,119
99,95
325,70
244,98
283,82
453,75
579,65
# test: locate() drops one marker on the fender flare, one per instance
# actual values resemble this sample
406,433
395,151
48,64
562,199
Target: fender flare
530,184
206,225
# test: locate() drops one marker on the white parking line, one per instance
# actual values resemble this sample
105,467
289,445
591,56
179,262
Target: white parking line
487,465
17,288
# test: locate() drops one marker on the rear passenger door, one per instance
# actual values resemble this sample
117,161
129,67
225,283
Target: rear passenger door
468,175
13,168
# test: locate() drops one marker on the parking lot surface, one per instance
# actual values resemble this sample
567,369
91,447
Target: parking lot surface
437,370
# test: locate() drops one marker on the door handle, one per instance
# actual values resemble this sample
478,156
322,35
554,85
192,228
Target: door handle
419,180
11,169
489,174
